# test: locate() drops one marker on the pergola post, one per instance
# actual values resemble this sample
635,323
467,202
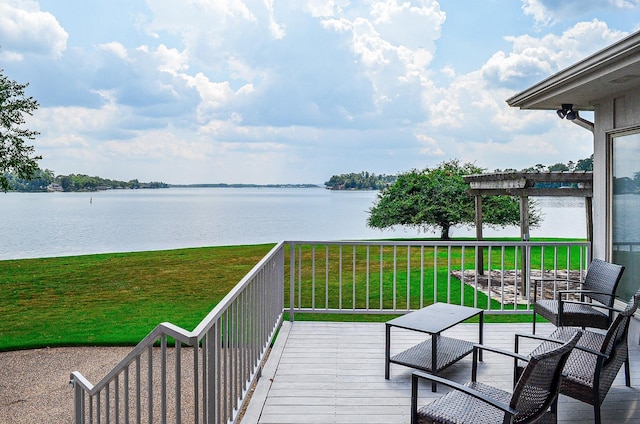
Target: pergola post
588,205
480,255
524,236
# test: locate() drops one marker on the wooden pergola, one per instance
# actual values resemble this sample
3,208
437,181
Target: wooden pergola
525,185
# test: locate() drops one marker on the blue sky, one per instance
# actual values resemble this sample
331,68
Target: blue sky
268,91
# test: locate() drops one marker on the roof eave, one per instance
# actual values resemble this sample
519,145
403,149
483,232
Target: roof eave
589,69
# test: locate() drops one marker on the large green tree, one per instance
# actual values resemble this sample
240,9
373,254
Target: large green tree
15,154
437,199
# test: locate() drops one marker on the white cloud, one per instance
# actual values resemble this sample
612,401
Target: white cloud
115,48
534,58
324,8
549,12
171,60
538,10
156,144
430,146
25,29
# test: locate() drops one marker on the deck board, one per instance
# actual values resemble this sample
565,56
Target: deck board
322,372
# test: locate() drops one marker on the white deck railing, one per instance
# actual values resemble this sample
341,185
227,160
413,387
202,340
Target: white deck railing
395,277
204,376
199,376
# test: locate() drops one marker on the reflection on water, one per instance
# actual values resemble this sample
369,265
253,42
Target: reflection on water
626,216
56,224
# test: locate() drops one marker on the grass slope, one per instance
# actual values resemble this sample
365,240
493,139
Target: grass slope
117,299
113,299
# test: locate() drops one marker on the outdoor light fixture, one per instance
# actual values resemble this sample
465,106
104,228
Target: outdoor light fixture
572,115
567,112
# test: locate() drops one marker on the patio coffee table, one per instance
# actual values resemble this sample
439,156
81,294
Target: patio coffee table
437,352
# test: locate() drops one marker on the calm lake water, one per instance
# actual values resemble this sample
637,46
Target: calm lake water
60,224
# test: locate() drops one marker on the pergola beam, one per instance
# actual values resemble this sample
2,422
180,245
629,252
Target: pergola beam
523,185
532,192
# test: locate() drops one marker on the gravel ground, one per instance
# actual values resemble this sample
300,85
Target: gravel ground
34,384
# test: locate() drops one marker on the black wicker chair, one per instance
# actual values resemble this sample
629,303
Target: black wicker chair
596,360
599,285
533,399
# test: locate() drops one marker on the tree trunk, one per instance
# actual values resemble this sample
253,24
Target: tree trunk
444,234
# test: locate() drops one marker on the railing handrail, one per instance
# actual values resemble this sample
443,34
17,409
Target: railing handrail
189,338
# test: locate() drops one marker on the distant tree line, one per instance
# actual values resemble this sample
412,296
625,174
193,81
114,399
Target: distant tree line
626,185
44,180
571,166
370,181
362,181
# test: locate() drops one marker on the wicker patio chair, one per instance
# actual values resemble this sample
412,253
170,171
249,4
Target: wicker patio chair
596,360
599,285
533,398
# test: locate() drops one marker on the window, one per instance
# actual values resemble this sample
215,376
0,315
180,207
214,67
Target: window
625,209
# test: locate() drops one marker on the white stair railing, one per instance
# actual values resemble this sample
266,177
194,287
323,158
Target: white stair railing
200,376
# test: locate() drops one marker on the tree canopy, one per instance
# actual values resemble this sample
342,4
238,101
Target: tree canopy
437,199
15,154
362,181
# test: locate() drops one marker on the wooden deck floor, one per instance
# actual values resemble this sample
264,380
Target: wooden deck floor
323,373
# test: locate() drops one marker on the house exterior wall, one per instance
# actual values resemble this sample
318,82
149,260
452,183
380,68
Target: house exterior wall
611,114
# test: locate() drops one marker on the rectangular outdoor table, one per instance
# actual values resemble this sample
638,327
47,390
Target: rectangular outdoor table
437,352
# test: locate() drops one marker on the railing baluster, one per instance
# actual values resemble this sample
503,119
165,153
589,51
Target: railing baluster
163,379
448,274
353,279
313,277
421,277
138,391
502,269
98,407
367,280
381,277
196,383
116,400
462,259
125,390
91,410
326,276
178,376
435,274
395,276
150,381
476,257
235,351
489,268
514,267
225,372
340,280
408,277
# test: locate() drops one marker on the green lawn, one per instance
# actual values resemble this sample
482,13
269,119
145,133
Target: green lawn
117,299
114,299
